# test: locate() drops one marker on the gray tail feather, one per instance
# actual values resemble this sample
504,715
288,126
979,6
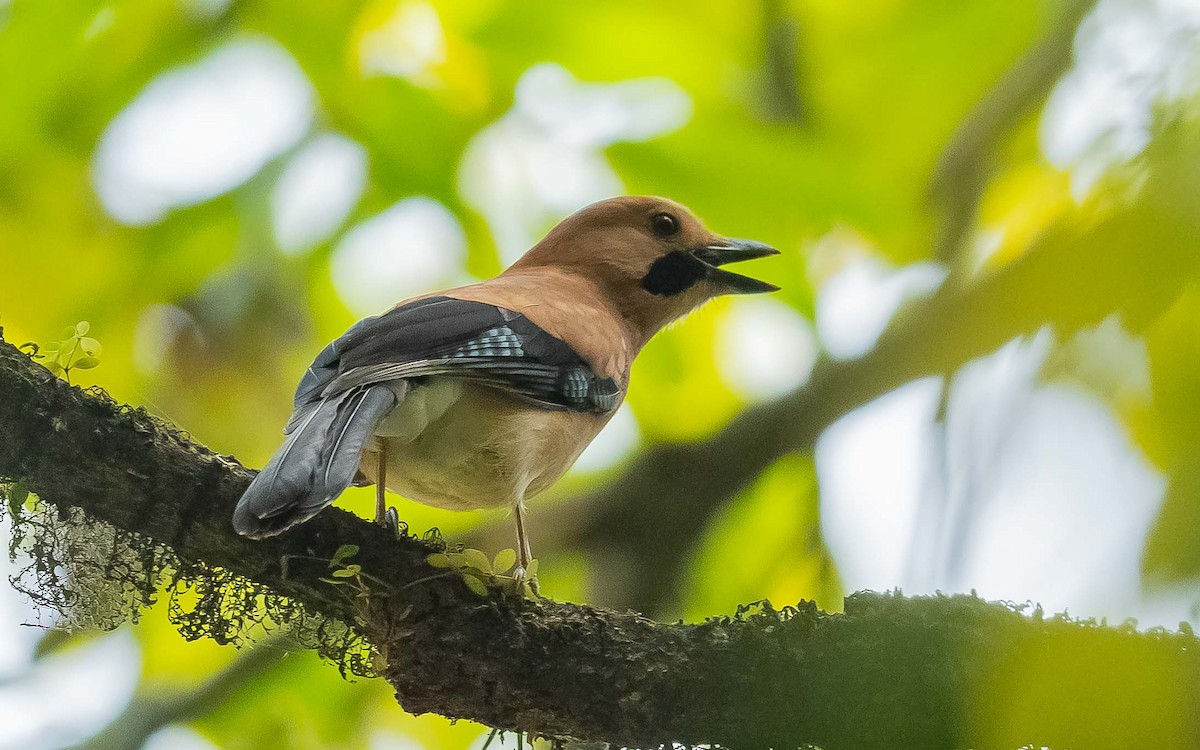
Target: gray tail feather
317,461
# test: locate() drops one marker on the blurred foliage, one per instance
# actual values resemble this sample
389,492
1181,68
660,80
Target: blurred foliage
208,322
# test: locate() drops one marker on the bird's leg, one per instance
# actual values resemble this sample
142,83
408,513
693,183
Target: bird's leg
381,484
524,555
383,514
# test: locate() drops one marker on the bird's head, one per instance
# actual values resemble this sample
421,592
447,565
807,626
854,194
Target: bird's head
651,256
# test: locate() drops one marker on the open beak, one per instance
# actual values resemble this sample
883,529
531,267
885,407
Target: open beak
731,250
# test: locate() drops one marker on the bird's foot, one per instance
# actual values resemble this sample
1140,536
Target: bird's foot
390,520
525,579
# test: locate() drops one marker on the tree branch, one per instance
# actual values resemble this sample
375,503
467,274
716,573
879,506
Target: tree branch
782,99
768,679
962,172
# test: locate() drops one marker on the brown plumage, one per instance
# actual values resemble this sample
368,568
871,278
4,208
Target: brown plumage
484,395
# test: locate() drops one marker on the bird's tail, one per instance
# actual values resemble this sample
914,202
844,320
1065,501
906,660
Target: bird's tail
317,461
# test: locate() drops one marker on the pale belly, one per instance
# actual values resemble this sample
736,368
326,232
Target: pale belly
462,446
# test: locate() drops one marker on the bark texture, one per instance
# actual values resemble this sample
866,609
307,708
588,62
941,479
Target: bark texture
889,672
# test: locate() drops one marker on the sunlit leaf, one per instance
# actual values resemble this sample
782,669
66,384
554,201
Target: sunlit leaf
504,560
477,559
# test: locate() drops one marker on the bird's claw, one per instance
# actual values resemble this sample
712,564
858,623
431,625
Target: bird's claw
522,580
391,520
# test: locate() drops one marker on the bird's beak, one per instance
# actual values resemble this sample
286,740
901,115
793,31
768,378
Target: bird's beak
731,250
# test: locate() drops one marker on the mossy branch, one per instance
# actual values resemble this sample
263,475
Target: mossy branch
889,672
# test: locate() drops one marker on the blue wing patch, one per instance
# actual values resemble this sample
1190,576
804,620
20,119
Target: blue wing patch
494,342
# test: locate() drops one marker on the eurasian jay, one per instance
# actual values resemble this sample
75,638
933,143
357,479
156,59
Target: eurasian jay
484,395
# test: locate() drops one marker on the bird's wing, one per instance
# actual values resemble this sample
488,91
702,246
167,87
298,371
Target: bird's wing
460,339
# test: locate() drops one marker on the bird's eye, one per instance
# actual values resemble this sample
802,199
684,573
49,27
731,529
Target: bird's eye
664,225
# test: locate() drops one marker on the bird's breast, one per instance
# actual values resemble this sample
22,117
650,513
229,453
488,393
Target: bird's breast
463,446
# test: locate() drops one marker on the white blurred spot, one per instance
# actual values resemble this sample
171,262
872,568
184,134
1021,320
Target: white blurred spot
765,348
407,45
485,741
1037,493
1071,496
415,246
544,158
70,696
1130,56
869,466
856,303
316,191
176,737
619,438
1046,498
198,131
395,741
158,327
1104,358
16,642
591,114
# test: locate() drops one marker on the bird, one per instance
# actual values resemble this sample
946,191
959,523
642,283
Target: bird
484,395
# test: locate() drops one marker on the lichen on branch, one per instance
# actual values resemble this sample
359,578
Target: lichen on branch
81,573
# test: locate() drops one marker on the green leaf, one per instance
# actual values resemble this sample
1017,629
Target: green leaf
343,553
505,559
477,560
475,584
439,560
53,366
347,572
333,581
67,349
86,363
17,494
82,327
532,569
68,334
90,346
